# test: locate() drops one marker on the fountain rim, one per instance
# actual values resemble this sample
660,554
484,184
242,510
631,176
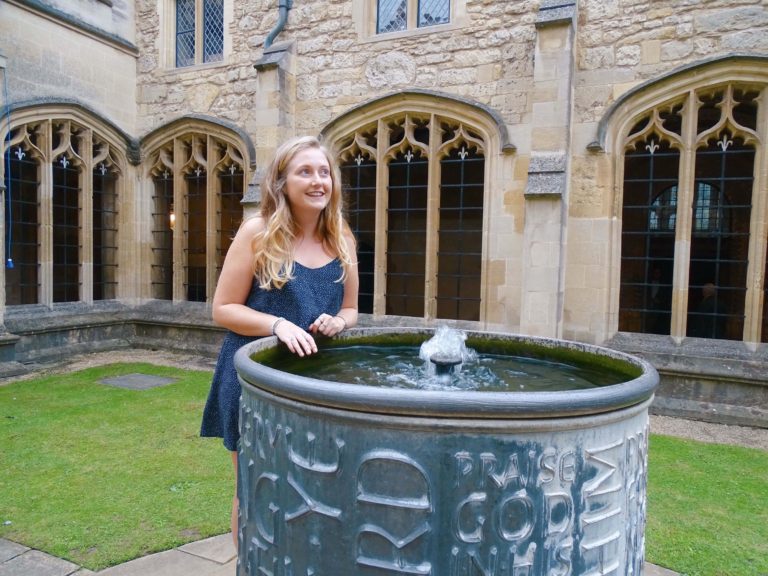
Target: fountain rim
454,403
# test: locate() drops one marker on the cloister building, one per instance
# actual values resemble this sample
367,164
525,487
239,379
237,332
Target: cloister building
594,170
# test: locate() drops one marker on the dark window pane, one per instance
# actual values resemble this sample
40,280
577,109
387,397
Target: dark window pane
21,242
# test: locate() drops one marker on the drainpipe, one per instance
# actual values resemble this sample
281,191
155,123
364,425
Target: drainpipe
283,6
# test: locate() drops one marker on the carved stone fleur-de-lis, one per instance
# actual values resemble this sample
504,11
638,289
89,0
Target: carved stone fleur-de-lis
359,159
652,147
64,161
102,168
463,153
232,169
409,156
20,153
198,171
725,143
166,174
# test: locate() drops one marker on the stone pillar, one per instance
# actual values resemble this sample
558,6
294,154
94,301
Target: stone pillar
274,102
546,192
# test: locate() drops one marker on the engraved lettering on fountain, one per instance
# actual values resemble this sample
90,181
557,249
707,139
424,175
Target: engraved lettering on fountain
262,524
308,504
398,547
309,461
602,519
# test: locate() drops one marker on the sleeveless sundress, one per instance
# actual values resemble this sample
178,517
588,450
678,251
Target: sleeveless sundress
311,292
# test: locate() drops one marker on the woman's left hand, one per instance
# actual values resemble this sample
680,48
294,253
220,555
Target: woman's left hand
327,325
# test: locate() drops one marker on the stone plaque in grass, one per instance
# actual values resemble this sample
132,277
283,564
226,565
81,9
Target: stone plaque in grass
138,381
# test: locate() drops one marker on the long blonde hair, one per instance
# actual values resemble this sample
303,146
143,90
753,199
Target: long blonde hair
272,247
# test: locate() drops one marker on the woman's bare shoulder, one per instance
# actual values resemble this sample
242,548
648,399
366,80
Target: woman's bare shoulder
251,225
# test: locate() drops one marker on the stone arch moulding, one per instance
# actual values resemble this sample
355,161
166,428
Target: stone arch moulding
462,109
121,143
221,129
711,72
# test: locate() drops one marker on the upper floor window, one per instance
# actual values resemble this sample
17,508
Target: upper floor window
399,15
693,258
199,32
63,181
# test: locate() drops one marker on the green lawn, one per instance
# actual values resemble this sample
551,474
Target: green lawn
100,475
707,508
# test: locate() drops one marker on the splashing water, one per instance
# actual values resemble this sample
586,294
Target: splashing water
445,353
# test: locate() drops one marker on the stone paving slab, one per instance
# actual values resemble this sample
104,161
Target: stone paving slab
36,563
138,381
220,548
10,549
210,557
171,563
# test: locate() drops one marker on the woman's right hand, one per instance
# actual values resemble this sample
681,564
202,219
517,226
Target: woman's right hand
297,340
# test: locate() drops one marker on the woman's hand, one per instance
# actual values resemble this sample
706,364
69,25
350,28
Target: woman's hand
298,341
328,325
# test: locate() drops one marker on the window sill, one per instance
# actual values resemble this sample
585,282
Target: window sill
389,36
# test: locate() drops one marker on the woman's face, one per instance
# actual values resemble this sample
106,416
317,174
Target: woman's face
308,182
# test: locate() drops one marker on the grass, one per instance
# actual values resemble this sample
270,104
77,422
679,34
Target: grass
100,475
707,508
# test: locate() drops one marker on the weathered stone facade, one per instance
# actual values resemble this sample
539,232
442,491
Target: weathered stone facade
551,89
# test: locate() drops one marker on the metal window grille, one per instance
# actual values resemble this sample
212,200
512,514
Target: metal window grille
66,231
648,237
720,240
163,222
359,178
433,12
22,281
460,236
213,31
104,234
406,234
230,212
391,16
185,33
195,236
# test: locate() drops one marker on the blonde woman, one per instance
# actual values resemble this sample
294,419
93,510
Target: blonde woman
290,272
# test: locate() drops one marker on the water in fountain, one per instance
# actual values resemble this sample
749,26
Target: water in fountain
413,367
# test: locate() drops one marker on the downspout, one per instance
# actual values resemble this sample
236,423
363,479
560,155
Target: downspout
283,6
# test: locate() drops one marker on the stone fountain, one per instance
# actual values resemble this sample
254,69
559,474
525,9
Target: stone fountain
351,477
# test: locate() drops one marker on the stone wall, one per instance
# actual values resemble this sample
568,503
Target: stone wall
47,60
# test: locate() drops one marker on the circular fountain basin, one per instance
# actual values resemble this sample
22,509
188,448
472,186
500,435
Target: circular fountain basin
355,479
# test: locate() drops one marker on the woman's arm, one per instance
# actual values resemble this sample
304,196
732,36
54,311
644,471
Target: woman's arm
235,281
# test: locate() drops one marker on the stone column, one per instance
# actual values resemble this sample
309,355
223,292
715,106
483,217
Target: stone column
274,103
547,190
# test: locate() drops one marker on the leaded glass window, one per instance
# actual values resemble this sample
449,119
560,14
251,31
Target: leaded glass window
77,203
416,207
196,211
399,15
687,235
199,32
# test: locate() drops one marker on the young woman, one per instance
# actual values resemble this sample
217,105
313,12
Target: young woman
290,272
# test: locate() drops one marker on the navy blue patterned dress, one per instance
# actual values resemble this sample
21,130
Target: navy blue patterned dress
312,291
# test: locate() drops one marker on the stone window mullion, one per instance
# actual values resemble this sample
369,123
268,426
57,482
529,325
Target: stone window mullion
45,219
382,202
212,194
86,218
755,309
680,277
433,220
179,186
